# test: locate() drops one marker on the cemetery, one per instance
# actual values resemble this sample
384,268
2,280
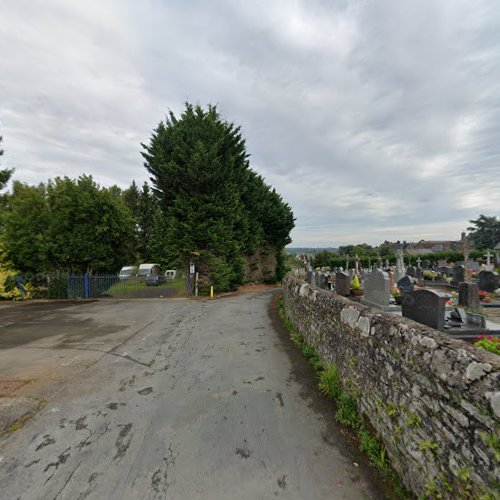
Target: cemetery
462,299
415,342
431,397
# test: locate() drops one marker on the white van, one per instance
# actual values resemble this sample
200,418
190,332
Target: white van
127,272
146,270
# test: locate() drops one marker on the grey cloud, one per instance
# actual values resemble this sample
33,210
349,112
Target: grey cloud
374,119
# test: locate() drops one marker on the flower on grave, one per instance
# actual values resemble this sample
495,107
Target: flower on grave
356,285
489,343
395,292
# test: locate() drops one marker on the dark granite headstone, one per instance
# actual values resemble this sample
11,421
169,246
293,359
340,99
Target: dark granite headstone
343,283
468,295
405,284
458,275
419,273
411,271
446,270
318,279
488,281
426,307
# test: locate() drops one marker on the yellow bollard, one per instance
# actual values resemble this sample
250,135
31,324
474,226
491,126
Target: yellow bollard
211,292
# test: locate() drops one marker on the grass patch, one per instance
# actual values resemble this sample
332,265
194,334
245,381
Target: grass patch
329,382
133,286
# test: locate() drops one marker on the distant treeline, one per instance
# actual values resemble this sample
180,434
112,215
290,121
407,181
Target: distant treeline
329,259
309,251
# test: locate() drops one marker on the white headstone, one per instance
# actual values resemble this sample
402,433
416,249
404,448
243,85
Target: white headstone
377,290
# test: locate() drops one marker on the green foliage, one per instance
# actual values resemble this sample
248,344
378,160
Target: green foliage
5,174
347,412
426,445
493,441
491,344
57,287
70,225
25,227
372,446
143,205
329,382
392,410
413,420
213,204
485,232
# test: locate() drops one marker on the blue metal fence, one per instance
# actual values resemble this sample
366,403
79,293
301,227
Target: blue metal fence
88,286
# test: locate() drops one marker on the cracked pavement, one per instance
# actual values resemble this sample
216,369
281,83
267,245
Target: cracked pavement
162,398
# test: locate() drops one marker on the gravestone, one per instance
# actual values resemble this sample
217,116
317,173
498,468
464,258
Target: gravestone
419,274
411,271
405,284
458,275
343,283
319,279
397,275
474,266
488,281
309,277
468,295
446,270
323,283
392,282
426,307
426,263
377,290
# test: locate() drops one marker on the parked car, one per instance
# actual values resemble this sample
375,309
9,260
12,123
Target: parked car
170,274
127,272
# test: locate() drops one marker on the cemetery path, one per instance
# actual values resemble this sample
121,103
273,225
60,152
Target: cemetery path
192,399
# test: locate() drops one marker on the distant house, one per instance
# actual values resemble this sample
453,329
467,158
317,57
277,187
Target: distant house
426,246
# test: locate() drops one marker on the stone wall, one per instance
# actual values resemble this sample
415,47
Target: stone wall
434,400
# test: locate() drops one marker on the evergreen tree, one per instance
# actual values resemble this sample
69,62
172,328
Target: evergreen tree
216,210
485,232
143,205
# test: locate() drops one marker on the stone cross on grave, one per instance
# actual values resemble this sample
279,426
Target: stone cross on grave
379,262
465,250
356,264
419,261
400,263
488,256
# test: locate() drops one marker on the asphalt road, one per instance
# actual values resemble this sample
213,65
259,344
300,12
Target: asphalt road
176,399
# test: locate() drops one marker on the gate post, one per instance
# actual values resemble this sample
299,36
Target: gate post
86,286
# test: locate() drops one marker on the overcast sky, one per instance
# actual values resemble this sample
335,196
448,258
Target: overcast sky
374,119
